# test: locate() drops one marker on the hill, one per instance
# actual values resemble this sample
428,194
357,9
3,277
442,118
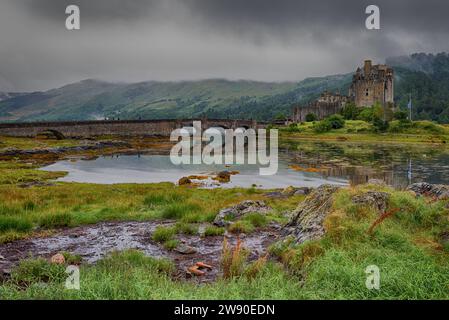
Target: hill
425,76
93,99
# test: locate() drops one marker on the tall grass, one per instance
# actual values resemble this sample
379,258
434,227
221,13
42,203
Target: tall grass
14,224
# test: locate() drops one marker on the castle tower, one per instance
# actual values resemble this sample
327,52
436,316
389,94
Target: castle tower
373,85
367,67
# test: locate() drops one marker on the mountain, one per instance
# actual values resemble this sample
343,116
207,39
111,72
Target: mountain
425,76
215,98
9,95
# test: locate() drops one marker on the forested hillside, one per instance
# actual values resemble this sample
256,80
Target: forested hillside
424,76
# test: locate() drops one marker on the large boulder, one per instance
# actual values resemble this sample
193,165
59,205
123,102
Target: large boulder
306,221
239,210
376,199
439,191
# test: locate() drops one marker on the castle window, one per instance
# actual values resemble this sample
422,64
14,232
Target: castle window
367,92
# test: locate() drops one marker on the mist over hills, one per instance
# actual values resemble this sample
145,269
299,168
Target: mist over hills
425,76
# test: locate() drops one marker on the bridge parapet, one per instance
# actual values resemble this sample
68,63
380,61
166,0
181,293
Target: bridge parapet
85,129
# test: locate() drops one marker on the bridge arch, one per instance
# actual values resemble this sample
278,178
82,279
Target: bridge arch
50,134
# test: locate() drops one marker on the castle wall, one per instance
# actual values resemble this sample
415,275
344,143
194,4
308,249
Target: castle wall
368,92
320,110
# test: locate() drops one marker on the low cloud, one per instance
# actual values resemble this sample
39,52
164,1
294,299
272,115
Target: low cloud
138,40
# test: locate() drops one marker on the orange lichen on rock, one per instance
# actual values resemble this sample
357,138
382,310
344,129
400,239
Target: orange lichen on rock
203,265
184,181
299,168
225,176
197,269
195,177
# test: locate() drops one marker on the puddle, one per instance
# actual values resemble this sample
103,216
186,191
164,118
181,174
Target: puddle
93,242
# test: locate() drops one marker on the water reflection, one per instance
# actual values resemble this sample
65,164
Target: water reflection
397,165
300,164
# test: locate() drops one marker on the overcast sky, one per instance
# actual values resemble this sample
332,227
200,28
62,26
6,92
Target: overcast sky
137,40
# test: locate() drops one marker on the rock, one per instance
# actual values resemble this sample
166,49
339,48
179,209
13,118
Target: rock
306,221
237,211
57,259
58,150
439,191
303,191
36,184
185,249
5,274
289,191
2,257
194,270
184,181
203,265
375,199
223,177
275,195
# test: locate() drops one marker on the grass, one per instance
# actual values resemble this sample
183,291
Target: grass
74,204
212,231
241,226
357,130
12,172
256,219
163,234
58,220
186,228
14,224
171,244
131,275
407,246
32,271
330,268
29,143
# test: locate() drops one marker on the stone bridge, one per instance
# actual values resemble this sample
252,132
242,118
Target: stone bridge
85,129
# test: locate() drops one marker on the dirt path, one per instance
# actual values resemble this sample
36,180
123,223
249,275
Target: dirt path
94,241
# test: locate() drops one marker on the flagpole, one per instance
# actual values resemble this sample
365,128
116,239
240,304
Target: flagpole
410,105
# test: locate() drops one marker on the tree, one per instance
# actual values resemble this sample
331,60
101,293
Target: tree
310,117
400,115
280,116
335,121
350,111
379,124
366,114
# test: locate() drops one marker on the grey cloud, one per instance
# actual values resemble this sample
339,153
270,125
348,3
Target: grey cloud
95,11
321,18
266,40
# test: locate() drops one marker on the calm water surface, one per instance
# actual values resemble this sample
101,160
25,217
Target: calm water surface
300,164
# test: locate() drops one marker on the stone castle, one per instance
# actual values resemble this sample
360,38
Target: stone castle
370,85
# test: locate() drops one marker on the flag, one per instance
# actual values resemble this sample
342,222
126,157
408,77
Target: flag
409,105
